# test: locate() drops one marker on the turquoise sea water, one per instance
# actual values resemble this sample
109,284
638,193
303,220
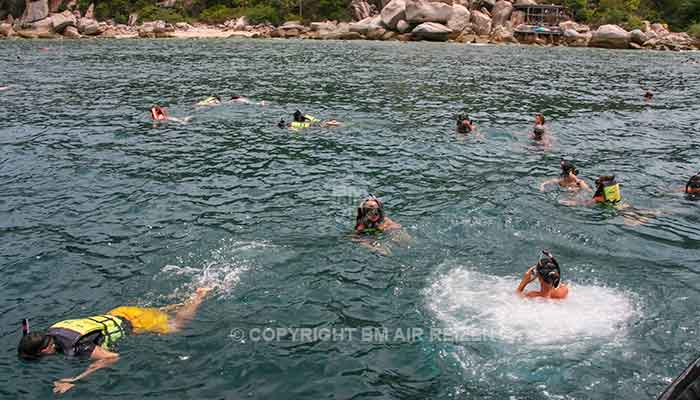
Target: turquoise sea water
99,208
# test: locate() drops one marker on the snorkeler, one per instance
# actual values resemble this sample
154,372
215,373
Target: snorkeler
303,121
568,178
95,336
692,187
210,101
465,124
158,114
549,275
371,217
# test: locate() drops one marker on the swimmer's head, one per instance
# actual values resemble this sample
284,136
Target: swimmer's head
693,184
371,211
567,167
282,124
298,116
33,345
648,95
236,97
539,119
547,268
464,123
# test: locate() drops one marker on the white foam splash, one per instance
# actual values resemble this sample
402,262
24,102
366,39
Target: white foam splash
223,270
476,306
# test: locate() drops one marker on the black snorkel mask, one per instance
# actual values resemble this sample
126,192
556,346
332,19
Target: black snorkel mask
693,183
548,268
282,124
363,212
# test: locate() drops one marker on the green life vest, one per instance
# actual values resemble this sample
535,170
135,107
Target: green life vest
612,193
72,330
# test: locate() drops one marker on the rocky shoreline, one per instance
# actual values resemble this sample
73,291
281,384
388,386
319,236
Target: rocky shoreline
461,21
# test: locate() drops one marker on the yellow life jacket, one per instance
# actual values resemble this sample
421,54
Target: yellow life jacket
69,332
308,121
612,193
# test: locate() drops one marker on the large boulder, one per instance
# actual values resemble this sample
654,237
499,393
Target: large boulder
360,10
393,12
659,29
525,3
638,37
87,26
481,23
646,26
460,18
574,38
90,12
503,35
580,28
487,4
419,11
431,31
62,21
610,37
6,30
517,18
323,26
35,10
403,26
501,13
71,32
366,25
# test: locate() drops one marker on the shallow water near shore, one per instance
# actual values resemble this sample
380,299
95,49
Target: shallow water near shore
101,208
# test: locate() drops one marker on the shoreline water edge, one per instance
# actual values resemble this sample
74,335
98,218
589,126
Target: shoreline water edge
399,20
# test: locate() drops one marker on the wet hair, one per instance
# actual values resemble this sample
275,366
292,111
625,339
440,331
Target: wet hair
548,269
282,124
31,345
461,126
602,182
298,116
566,167
542,117
361,218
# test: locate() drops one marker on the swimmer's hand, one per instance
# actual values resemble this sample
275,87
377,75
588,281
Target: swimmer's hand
62,385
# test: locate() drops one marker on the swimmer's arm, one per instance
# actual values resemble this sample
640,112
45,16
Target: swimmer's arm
373,245
583,185
102,359
527,278
544,184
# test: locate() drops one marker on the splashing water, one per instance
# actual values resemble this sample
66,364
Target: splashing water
471,304
223,270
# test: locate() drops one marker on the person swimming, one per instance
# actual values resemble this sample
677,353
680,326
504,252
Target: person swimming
210,101
465,124
159,114
607,190
568,179
648,95
371,217
303,121
539,130
96,336
548,273
692,187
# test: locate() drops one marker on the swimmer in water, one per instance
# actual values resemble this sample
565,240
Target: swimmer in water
372,220
648,95
692,187
159,114
568,178
245,100
465,124
538,131
3,88
608,193
303,121
210,101
549,275
95,337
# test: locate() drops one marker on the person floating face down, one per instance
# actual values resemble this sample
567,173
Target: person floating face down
568,178
303,121
465,124
549,275
213,100
95,337
371,218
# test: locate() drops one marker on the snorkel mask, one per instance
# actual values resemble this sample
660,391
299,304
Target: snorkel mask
364,212
566,167
608,188
548,268
693,183
461,126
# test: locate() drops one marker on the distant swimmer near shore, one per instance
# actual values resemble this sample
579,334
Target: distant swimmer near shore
159,114
568,179
95,337
549,275
303,121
